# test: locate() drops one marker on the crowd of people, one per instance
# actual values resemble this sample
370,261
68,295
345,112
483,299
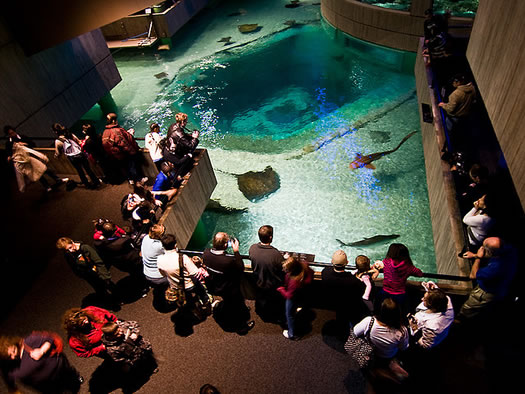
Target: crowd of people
212,283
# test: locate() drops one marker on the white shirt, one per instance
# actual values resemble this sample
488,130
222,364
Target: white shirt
151,141
168,264
435,325
386,341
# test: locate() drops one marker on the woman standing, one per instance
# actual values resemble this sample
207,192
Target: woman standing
84,330
69,144
152,143
298,275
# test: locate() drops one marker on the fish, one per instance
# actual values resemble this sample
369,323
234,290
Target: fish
366,160
249,27
239,13
369,241
161,75
225,39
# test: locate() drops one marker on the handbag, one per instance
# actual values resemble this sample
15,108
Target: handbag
177,295
360,349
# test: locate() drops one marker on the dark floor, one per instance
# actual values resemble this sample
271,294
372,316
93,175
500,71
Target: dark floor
38,286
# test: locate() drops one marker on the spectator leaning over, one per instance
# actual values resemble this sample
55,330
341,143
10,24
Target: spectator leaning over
388,336
298,276
397,267
152,142
494,278
69,144
224,280
180,146
268,270
87,264
37,361
84,330
121,147
344,291
12,136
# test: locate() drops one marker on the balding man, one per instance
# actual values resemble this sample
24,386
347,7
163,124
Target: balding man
494,278
225,281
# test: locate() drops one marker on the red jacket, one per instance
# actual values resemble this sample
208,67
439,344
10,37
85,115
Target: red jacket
118,143
94,345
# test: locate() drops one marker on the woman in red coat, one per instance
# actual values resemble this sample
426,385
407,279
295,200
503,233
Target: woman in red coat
83,327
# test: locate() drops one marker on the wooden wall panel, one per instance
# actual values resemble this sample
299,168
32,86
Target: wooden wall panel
496,54
183,213
444,210
383,26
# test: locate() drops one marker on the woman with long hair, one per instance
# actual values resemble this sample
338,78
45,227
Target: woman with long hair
298,275
84,330
397,267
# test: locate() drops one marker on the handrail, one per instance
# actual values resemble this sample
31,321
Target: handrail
348,267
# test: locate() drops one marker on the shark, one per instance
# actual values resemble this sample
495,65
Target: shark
366,160
369,241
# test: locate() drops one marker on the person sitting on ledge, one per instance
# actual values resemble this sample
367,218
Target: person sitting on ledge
165,186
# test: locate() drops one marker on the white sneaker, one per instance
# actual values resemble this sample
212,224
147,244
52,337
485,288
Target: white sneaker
299,309
286,335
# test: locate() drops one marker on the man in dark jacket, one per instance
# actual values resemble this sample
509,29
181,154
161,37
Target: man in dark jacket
87,264
180,145
224,280
267,267
344,292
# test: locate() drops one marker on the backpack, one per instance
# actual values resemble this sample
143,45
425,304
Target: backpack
71,148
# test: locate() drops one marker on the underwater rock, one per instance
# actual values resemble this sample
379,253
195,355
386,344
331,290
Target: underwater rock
256,185
214,205
249,27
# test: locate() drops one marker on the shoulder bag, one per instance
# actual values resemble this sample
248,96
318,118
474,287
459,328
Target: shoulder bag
360,349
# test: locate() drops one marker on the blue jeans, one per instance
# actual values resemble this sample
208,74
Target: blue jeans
290,308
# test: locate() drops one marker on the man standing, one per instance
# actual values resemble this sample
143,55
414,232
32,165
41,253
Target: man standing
494,278
87,264
121,146
344,292
267,267
180,145
224,280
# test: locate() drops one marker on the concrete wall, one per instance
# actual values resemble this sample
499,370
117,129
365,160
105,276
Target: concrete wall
446,219
166,23
496,54
59,84
383,26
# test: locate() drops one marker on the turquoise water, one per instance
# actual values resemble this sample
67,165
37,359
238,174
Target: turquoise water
303,100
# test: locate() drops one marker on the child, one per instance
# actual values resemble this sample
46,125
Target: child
366,275
397,267
99,223
125,346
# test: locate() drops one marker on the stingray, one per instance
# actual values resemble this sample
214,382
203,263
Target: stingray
225,39
238,13
380,136
161,75
188,89
290,23
293,4
249,27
